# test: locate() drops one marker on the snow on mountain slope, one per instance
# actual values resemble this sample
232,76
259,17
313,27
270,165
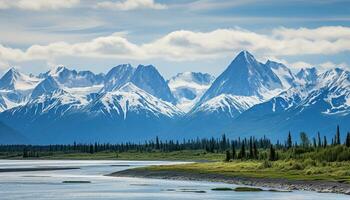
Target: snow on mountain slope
149,79
14,80
245,76
230,105
145,77
188,88
131,99
284,74
15,88
307,75
72,78
117,77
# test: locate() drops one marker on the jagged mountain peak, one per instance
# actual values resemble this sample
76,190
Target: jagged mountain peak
15,80
48,85
285,75
245,76
131,99
307,75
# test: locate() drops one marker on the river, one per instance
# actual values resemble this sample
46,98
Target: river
51,184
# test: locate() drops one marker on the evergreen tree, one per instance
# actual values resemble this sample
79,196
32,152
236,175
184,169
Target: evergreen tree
233,151
347,143
241,154
305,142
324,142
337,136
251,155
157,143
289,141
319,140
272,154
228,156
255,151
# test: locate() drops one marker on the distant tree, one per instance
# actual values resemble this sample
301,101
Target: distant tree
305,142
91,149
337,136
157,143
241,154
233,151
223,142
228,156
347,143
289,141
25,153
251,155
255,151
324,142
319,144
272,154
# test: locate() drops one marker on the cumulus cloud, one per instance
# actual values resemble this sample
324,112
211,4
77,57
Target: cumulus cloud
36,5
131,5
188,45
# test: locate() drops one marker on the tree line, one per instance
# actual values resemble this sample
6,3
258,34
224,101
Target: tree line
240,148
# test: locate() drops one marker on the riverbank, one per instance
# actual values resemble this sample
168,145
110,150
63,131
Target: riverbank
281,180
32,169
184,155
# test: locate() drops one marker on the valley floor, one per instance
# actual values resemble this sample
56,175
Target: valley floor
287,175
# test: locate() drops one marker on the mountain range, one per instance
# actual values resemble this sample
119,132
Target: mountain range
249,98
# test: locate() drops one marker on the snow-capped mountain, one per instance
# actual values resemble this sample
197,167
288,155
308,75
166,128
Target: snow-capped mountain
130,99
188,88
15,80
145,77
117,77
72,78
245,76
248,98
245,83
307,75
285,75
15,88
317,106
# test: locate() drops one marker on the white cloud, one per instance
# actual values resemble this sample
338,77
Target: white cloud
131,5
36,5
190,46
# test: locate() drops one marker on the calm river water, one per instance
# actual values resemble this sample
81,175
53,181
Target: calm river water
50,184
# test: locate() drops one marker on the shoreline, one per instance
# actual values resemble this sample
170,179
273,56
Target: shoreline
28,169
280,184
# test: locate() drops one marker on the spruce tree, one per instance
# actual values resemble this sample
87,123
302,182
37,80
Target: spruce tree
289,141
337,136
255,151
233,151
251,155
347,143
241,154
272,154
228,156
319,139
157,143
324,142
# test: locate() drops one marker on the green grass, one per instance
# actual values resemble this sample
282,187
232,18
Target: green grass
222,189
247,189
287,169
186,155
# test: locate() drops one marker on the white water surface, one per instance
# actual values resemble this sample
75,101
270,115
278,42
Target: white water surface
49,184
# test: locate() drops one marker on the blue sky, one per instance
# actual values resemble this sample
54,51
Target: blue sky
173,35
